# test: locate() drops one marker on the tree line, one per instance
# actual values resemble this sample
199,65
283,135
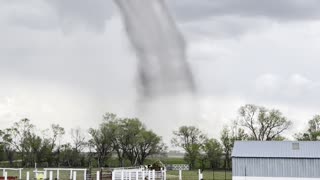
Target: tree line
129,141
255,123
126,138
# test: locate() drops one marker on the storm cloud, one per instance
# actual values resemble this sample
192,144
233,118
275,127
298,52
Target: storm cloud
285,10
68,62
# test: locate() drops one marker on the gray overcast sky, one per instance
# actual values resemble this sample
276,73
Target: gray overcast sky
69,61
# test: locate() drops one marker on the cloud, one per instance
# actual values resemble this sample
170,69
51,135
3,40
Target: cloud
271,59
267,84
295,89
87,13
55,77
300,81
294,85
34,14
220,27
59,14
283,10
235,18
301,87
83,59
44,103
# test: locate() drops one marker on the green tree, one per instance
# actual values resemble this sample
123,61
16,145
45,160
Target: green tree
149,144
227,142
33,147
130,139
51,146
79,142
112,126
213,152
8,146
101,141
46,154
262,124
313,131
30,147
131,129
57,132
16,138
228,136
78,139
191,140
66,154
2,147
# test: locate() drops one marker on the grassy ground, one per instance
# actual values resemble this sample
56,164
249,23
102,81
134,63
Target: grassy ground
193,175
64,175
171,175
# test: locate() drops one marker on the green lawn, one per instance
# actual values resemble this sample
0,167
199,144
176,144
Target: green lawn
63,174
193,175
171,175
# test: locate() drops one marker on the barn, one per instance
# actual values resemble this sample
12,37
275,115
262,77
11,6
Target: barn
276,160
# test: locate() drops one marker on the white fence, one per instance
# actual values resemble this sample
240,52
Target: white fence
141,174
138,174
177,167
5,171
72,172
117,174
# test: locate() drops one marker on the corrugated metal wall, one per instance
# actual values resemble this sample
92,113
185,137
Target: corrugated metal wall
276,167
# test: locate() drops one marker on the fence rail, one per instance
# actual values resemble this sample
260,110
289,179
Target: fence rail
138,174
112,174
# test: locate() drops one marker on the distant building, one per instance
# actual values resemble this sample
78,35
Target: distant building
276,160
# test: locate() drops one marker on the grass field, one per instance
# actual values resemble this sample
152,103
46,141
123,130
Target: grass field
64,175
171,175
193,175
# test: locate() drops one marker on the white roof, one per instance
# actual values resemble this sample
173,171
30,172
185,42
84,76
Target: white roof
277,149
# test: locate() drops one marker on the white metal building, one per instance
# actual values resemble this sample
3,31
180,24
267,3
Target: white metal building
276,160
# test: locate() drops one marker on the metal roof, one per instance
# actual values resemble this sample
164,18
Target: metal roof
277,149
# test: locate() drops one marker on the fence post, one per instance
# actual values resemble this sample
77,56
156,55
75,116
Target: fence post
70,176
28,175
137,175
143,174
85,175
121,174
200,175
180,174
20,177
5,175
165,174
129,175
50,175
98,175
45,174
74,175
58,175
153,174
113,175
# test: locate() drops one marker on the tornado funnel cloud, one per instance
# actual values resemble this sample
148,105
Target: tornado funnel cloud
159,46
